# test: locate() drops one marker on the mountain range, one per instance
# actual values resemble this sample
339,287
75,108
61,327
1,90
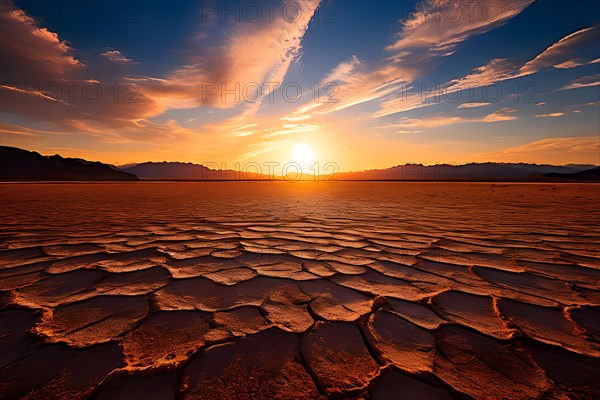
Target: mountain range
18,164
592,174
23,165
467,172
184,171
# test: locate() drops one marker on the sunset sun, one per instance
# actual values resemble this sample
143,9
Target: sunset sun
304,155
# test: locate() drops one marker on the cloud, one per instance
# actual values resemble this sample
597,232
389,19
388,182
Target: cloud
500,115
569,64
560,54
553,151
13,129
496,70
344,71
551,115
88,107
117,57
440,25
32,54
239,69
583,82
247,53
357,83
444,120
433,31
295,118
473,105
430,122
41,79
290,129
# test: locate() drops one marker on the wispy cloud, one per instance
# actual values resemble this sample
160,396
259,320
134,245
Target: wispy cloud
117,57
501,69
430,122
290,129
473,105
503,114
433,31
552,150
497,70
344,71
437,121
560,54
31,53
246,53
551,115
228,73
43,80
440,25
583,82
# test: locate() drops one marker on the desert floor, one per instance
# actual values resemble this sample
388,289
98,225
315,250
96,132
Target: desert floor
278,290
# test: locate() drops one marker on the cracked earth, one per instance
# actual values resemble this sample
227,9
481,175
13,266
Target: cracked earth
275,290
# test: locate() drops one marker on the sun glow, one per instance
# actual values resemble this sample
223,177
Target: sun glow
304,155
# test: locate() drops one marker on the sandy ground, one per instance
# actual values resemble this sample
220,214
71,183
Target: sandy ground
274,290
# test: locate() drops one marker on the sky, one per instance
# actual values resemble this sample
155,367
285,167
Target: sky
350,85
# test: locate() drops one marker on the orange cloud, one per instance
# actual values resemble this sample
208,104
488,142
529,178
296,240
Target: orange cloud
437,25
496,70
245,68
500,69
583,82
41,79
551,115
117,57
560,54
473,105
440,25
577,150
433,31
31,53
443,120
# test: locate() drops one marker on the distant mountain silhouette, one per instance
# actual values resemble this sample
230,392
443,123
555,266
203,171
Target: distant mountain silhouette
19,164
408,172
467,172
184,171
588,175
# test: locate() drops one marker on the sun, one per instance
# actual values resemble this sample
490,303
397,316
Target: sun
304,155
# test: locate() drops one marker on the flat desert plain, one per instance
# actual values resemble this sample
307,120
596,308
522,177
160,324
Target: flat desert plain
279,290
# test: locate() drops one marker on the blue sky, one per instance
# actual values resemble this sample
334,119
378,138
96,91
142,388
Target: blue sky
444,81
